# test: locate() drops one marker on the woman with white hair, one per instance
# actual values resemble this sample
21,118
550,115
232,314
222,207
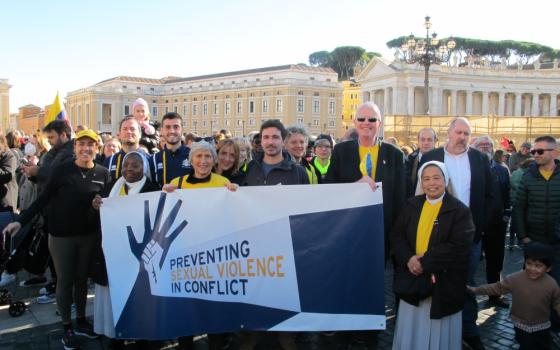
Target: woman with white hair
150,136
431,240
203,158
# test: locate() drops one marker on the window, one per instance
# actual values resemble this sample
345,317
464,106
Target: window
184,110
279,106
205,109
216,109
239,122
331,123
315,122
228,122
299,121
300,106
154,111
228,108
204,123
175,109
316,94
252,122
331,107
106,113
300,92
239,107
126,109
194,109
251,106
265,106
316,105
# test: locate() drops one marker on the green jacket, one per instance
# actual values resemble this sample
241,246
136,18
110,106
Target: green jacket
537,206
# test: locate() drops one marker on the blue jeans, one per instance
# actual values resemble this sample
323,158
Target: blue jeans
470,310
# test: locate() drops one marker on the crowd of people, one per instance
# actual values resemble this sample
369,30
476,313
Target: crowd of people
444,209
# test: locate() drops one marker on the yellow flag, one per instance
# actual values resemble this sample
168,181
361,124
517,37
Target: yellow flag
56,112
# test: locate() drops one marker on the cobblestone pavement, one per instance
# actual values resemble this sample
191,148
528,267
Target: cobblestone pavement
32,331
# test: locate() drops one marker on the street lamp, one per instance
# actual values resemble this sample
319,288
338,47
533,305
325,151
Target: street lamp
426,52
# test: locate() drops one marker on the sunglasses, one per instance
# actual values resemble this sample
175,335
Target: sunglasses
371,120
207,139
540,151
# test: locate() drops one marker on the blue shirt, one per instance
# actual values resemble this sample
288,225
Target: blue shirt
172,164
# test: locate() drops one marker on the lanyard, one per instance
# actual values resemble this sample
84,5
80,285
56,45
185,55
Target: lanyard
164,169
118,166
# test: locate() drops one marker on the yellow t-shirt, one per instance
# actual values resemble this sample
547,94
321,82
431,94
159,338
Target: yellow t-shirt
215,181
374,153
546,174
425,225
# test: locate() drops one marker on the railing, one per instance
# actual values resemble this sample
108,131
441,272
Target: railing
519,129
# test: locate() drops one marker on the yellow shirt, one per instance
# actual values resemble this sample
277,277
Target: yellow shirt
546,174
215,181
373,153
425,225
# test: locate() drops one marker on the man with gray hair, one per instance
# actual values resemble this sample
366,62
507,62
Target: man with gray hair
427,138
370,161
494,237
471,179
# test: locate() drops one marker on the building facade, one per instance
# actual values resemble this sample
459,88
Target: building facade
238,101
4,104
351,100
30,119
500,90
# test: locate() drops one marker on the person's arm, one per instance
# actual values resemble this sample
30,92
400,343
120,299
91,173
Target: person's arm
556,300
44,197
520,211
455,250
8,167
498,288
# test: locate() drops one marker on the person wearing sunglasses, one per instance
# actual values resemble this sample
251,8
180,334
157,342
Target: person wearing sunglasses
537,202
370,161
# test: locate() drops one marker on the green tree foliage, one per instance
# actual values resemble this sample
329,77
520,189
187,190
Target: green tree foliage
342,59
493,50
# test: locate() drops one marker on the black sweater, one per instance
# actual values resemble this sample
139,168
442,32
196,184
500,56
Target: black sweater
70,195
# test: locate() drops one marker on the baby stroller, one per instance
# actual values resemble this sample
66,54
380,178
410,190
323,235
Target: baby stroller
8,263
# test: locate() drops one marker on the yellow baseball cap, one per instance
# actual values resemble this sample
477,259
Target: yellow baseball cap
87,133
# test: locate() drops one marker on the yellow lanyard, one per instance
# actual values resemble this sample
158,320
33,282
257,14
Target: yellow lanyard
118,166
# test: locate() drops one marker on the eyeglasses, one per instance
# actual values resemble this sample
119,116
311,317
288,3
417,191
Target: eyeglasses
371,120
540,151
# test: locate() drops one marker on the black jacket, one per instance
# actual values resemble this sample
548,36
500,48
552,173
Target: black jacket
537,206
53,158
447,256
481,187
411,166
287,173
345,168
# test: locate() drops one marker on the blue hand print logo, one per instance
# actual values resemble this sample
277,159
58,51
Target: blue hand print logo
153,248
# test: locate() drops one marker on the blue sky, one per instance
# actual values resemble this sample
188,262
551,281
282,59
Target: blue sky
67,45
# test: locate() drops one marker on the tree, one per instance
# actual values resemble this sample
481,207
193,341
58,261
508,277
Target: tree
320,59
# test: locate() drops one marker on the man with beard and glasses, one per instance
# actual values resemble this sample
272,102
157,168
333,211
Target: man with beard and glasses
493,241
471,179
129,136
173,160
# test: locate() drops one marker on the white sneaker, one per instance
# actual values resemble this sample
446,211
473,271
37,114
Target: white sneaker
47,298
6,279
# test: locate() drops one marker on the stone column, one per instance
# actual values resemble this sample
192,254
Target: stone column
501,103
395,103
517,109
410,104
435,107
386,102
484,110
453,102
468,107
535,105
553,105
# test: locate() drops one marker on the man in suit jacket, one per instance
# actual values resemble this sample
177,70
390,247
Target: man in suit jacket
471,180
368,160
427,139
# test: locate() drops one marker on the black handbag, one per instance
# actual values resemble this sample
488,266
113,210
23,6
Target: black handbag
37,255
406,284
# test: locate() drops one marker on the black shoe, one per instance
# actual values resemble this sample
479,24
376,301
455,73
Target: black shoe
85,329
473,343
498,302
69,340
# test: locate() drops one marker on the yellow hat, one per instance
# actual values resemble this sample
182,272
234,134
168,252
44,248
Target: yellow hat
87,133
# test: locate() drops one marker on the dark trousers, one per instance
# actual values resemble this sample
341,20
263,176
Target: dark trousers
493,246
540,340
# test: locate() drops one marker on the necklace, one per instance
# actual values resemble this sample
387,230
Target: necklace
84,173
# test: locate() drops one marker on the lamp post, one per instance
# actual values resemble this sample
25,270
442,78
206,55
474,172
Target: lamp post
426,52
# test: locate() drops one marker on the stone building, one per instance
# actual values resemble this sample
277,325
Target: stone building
238,101
4,104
